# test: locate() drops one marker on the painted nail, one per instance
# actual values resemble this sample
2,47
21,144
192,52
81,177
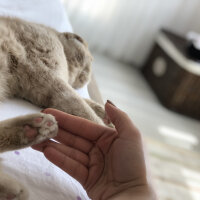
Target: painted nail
111,103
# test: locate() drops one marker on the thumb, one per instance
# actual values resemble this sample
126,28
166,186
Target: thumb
120,119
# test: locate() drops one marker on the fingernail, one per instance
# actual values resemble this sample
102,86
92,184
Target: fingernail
111,103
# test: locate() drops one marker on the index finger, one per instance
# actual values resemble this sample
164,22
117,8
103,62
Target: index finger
78,126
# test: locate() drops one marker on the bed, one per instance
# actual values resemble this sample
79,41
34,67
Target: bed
44,180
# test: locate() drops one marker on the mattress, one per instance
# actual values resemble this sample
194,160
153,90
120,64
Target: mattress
44,180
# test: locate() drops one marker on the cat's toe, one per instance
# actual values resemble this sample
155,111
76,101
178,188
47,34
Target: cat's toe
48,127
11,197
21,195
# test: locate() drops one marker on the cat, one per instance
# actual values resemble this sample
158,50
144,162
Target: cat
42,66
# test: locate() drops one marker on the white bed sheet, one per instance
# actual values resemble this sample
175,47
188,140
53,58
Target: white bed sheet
44,180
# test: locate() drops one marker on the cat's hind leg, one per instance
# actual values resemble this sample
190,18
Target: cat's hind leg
60,95
11,189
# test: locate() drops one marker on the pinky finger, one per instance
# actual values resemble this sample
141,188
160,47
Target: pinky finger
67,164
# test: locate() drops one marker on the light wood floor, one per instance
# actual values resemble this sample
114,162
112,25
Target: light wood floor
172,140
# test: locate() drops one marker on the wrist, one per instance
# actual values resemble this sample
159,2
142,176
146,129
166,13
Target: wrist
136,193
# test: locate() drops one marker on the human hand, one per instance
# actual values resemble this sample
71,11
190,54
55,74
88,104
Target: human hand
106,161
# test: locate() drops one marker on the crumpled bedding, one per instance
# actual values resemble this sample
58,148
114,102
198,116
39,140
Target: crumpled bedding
44,180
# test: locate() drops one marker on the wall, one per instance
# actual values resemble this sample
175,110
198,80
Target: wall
125,29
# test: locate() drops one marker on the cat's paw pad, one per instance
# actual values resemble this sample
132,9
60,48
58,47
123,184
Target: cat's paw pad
39,128
10,197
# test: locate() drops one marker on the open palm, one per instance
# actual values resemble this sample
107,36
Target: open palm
105,161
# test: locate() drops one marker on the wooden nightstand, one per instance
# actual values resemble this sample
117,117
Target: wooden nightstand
173,76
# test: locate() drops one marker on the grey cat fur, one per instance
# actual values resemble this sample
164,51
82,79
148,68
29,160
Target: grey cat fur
42,66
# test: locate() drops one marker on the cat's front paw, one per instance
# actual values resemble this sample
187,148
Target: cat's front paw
39,128
26,130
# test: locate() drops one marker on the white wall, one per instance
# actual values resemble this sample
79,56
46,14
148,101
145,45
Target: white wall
125,29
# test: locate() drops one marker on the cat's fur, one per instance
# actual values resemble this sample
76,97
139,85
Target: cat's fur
44,67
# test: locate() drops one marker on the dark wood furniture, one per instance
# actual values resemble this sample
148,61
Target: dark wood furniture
173,75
